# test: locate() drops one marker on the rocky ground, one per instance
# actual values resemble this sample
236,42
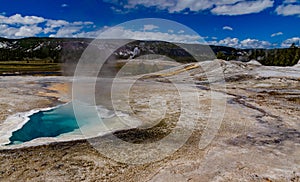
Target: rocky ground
258,139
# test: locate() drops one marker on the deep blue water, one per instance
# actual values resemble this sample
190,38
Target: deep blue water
50,123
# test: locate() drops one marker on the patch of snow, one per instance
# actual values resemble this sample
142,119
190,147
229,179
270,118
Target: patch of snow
58,48
3,45
38,47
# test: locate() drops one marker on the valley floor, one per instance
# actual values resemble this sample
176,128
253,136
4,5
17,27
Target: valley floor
258,139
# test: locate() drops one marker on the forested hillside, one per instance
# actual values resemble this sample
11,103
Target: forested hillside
60,50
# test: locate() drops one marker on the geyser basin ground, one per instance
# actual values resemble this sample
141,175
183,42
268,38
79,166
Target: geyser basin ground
244,148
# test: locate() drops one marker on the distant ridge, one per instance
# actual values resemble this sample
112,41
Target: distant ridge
59,50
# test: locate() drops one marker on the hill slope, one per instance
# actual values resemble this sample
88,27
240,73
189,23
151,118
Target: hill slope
59,50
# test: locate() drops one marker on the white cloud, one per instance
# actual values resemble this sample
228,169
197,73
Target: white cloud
231,42
19,19
23,31
82,23
177,5
276,34
288,10
289,1
227,28
17,26
56,23
192,5
289,42
91,34
67,31
61,26
48,30
181,31
243,7
6,31
254,43
247,43
118,10
214,42
28,31
150,27
161,4
64,5
219,7
122,33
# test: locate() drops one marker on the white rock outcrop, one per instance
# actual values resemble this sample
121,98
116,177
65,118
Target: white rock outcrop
254,62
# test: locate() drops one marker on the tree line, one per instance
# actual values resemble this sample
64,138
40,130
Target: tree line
269,57
59,50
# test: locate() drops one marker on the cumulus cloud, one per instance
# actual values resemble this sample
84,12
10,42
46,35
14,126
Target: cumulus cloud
276,34
6,31
219,7
64,5
289,42
243,7
150,27
288,10
17,26
82,23
56,23
28,31
161,4
177,5
227,28
246,43
23,31
19,19
254,43
122,33
231,42
289,1
51,25
67,29
191,5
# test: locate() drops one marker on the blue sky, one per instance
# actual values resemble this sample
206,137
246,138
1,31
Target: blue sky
236,23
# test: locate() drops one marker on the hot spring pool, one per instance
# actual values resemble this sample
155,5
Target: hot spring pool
50,123
60,123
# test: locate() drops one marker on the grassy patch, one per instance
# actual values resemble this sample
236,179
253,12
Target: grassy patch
28,66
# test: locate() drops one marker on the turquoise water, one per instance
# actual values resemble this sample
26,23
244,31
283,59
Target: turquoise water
50,123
